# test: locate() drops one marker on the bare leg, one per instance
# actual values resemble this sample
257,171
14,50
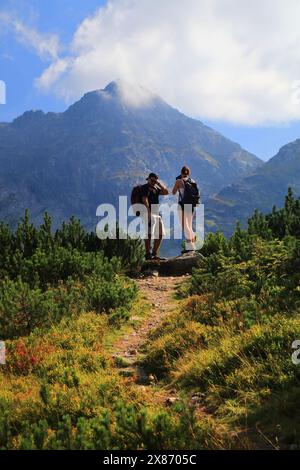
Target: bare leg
184,225
148,239
147,245
157,241
188,228
180,216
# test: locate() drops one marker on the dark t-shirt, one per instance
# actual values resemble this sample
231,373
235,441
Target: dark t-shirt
151,193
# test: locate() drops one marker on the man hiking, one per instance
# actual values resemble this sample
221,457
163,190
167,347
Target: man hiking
150,193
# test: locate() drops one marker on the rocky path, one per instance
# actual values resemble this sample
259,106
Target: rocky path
159,293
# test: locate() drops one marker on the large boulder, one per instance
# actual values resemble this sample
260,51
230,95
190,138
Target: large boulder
175,266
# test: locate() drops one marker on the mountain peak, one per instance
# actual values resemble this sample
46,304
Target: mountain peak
131,94
114,87
101,146
122,92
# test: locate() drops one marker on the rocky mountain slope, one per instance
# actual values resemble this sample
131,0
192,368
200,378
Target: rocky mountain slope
266,187
68,163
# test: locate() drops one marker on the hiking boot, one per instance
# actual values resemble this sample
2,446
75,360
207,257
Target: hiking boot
183,252
158,258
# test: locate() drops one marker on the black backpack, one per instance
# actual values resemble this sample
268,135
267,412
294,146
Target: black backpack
137,197
191,193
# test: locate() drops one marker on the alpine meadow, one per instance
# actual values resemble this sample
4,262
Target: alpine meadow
223,354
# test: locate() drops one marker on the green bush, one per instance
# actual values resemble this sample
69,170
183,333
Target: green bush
102,295
41,255
280,222
126,427
23,309
60,264
265,283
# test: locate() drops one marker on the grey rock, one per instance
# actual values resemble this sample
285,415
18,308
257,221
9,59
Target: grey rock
150,273
132,351
151,378
177,265
171,400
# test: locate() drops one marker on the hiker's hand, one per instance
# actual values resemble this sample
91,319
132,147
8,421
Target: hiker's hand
164,189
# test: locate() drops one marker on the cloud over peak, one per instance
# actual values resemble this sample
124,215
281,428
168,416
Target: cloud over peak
232,60
132,94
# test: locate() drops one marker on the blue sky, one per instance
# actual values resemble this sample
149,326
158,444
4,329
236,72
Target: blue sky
263,141
20,65
235,80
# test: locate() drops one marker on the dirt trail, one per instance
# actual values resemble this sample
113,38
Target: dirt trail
127,351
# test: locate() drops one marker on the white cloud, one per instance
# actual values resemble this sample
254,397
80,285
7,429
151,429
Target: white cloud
45,45
233,60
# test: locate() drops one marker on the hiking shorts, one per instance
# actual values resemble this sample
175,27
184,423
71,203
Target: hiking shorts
155,227
189,208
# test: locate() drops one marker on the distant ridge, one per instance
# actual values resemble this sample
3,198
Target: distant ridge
68,163
266,187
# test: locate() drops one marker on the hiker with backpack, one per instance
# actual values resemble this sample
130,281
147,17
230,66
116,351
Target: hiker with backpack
148,194
189,198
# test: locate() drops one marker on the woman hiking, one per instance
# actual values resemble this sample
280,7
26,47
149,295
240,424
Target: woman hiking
188,199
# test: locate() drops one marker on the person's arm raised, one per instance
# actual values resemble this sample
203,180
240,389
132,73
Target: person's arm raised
164,190
176,187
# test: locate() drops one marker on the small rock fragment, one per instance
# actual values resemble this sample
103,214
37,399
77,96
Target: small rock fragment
171,400
151,378
132,351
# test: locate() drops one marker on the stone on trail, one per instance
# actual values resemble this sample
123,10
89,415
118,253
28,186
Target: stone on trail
132,351
150,273
175,266
171,400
